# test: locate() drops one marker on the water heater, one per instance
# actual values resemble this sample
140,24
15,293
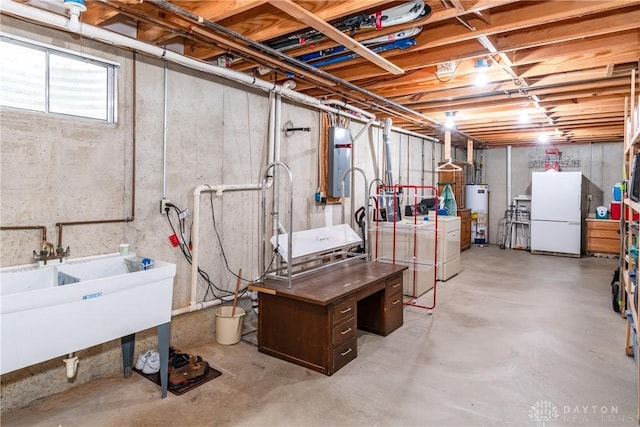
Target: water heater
340,144
477,199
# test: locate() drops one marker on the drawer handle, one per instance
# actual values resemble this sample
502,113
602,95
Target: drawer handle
348,309
346,352
396,285
395,302
346,332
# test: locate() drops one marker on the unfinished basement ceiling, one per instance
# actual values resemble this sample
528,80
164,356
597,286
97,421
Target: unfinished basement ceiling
559,68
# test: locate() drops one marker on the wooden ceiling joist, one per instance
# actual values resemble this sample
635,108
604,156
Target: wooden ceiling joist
566,62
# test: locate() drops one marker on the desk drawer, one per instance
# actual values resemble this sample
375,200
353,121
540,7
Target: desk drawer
345,331
344,309
394,285
344,354
394,313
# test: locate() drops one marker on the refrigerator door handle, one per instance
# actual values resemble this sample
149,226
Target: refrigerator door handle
574,222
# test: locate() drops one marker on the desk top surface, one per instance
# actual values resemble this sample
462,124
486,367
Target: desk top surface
329,285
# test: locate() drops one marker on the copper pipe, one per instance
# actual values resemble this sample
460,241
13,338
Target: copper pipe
98,221
28,227
133,170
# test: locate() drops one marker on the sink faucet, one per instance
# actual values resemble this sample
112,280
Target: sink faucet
48,252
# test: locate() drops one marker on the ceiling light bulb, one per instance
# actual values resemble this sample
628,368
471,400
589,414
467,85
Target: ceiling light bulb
449,122
74,20
76,7
523,117
543,138
481,79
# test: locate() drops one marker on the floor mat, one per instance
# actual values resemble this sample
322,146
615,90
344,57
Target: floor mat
213,373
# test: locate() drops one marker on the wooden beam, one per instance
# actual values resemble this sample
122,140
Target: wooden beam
333,33
266,23
596,47
219,10
589,26
447,144
448,36
470,151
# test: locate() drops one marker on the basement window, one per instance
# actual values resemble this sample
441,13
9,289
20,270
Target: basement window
47,79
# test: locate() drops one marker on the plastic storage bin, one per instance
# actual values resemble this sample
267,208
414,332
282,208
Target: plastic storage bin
614,209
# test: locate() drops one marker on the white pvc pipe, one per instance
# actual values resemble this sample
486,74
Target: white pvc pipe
71,363
508,176
202,305
218,189
49,19
349,107
272,123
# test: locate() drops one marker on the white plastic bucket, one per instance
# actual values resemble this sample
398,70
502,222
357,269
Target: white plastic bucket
228,327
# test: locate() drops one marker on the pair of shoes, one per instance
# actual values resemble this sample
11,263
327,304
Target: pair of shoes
149,362
182,359
190,372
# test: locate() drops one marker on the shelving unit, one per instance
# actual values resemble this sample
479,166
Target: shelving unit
627,264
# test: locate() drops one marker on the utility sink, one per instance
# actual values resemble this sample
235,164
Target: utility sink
53,310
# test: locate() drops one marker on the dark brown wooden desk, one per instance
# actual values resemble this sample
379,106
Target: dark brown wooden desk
313,324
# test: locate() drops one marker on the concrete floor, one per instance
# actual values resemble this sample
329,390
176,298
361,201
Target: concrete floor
516,339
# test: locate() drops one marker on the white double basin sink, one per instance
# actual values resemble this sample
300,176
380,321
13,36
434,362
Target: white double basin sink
53,310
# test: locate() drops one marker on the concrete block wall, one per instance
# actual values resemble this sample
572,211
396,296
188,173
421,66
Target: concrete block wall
58,169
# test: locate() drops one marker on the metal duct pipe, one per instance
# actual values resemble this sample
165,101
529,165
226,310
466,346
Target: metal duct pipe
386,138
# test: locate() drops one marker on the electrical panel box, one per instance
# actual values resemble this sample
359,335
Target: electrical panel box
340,145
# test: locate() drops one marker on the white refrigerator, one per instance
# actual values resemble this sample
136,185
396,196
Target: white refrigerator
556,212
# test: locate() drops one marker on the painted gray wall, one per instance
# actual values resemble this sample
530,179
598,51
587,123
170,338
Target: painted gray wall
600,163
58,169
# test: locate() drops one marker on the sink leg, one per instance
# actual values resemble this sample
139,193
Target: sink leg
128,344
163,349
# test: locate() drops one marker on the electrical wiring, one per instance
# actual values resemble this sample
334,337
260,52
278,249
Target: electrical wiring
185,249
453,74
212,289
224,256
